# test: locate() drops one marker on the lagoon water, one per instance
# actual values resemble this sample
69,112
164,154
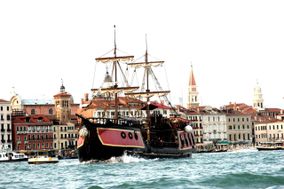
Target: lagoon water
242,169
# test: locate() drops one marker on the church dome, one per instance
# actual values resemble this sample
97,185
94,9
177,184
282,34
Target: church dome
108,78
62,88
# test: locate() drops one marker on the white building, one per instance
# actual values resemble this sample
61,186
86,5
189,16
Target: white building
231,126
5,124
239,128
214,126
272,131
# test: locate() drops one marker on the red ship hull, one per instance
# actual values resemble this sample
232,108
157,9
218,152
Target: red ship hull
103,140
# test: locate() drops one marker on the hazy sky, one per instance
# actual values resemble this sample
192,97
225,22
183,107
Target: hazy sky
231,45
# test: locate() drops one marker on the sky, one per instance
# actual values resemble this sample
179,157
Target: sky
231,45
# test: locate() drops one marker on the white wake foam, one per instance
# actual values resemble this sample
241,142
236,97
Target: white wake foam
125,159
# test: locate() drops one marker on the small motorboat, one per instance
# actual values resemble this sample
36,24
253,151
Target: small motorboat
42,159
11,156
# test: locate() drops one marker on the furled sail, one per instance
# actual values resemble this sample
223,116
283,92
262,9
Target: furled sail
115,58
145,64
114,90
148,94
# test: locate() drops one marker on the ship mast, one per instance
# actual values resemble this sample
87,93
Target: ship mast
147,65
115,77
115,89
148,122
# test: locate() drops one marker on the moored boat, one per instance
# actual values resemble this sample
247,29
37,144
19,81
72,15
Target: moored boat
41,159
12,156
151,135
269,146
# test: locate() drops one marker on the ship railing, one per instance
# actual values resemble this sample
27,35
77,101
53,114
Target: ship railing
120,122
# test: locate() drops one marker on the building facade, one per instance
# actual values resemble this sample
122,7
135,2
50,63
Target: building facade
6,125
32,133
269,131
64,136
239,128
214,127
61,113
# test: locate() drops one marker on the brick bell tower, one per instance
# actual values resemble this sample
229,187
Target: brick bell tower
193,100
63,101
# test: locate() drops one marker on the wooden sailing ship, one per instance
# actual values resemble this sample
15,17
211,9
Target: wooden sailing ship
150,136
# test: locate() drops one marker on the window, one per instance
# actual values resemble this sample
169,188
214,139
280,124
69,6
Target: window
33,111
1,108
8,108
50,111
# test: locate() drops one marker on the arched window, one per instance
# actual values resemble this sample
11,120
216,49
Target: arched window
50,111
33,111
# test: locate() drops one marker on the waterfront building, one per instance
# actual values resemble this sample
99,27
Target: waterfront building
104,107
65,132
214,126
32,132
270,112
239,127
60,111
163,109
193,100
226,127
269,131
64,136
6,125
194,115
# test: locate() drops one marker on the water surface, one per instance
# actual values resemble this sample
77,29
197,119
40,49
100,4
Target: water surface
243,169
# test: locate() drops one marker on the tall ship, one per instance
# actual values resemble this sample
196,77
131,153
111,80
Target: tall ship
146,134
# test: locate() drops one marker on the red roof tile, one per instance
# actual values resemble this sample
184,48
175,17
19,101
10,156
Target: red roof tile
4,101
